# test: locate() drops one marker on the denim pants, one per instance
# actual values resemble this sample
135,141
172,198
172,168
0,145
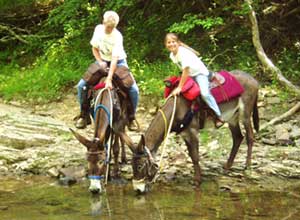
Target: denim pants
206,95
133,90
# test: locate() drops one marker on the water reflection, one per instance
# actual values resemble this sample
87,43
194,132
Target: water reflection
41,200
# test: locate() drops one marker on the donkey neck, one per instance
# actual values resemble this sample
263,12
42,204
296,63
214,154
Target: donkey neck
156,132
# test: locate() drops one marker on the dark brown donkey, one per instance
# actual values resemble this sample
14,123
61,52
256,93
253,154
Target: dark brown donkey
234,111
97,153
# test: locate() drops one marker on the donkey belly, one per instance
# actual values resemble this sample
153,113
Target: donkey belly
230,109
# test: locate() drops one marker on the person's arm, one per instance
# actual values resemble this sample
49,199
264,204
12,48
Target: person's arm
112,69
184,76
97,56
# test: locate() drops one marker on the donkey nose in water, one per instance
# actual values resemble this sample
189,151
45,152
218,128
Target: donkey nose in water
139,186
95,186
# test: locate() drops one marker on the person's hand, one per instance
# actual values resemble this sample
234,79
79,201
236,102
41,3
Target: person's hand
108,83
176,91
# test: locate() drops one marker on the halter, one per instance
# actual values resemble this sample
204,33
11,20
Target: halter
152,163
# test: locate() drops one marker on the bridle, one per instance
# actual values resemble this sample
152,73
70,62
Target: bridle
149,163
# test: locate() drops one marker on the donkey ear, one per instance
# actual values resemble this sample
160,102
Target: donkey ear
86,142
128,141
141,145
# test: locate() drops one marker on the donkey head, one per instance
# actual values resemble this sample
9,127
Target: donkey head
143,166
95,154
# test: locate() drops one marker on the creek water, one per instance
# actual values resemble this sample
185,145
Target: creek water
36,198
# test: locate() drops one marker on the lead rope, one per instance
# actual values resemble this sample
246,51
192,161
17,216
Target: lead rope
109,138
166,136
110,124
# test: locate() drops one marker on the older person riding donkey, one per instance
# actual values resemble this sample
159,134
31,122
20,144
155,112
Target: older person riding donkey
112,109
108,50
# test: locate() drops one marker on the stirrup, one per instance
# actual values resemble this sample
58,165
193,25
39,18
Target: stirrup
219,123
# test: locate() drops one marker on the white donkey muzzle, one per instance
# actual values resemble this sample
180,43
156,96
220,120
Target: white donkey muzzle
139,185
95,184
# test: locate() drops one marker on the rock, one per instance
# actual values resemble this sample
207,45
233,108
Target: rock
153,111
53,172
295,133
282,135
76,172
67,181
214,145
273,100
269,141
3,207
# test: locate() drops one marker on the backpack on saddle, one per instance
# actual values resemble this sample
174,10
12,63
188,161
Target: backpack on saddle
122,76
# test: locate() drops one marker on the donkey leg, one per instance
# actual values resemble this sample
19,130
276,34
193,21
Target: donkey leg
250,140
192,142
123,152
237,139
116,150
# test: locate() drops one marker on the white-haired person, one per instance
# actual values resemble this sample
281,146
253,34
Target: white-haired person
108,50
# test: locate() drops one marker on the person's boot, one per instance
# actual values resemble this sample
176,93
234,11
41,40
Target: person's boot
133,124
83,120
84,117
219,122
81,123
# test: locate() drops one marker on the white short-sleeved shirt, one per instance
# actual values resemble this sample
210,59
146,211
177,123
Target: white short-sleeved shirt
109,45
186,58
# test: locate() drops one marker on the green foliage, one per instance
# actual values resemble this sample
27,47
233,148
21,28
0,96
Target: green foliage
150,76
287,63
190,21
116,5
5,5
58,49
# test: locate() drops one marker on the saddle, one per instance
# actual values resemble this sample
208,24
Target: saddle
223,87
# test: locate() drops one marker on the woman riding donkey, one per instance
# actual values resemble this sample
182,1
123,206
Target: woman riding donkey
191,65
108,50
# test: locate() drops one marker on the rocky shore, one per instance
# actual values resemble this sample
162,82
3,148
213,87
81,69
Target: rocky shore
37,141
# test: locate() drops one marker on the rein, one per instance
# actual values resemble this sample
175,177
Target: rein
166,135
110,118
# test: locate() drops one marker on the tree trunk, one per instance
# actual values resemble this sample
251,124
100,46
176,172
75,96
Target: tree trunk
266,62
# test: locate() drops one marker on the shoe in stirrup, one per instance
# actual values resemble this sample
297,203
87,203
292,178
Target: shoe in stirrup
219,122
133,125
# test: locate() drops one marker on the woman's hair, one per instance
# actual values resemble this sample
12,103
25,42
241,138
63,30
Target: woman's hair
111,18
176,38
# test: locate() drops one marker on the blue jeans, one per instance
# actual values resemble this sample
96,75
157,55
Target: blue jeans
206,95
133,90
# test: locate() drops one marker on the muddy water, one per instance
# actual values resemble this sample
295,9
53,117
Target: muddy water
37,198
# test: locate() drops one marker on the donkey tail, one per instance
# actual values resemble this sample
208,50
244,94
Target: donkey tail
255,116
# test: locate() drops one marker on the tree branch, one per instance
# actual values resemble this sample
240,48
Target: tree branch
13,33
266,62
282,117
